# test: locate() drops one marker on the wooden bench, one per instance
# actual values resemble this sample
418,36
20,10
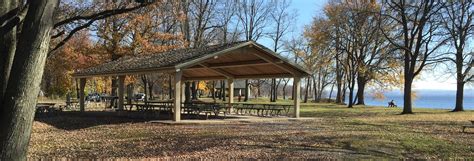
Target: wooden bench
464,127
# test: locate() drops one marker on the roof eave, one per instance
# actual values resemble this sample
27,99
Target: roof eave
196,61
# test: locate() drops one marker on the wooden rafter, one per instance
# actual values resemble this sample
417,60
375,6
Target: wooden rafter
276,63
238,64
218,71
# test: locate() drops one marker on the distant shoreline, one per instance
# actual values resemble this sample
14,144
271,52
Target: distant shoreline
427,108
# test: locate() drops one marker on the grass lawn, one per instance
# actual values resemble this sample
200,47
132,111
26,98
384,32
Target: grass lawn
338,132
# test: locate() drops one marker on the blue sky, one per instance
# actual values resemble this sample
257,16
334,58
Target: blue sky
307,9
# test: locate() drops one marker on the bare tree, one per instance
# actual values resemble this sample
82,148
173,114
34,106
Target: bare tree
253,17
226,21
285,84
416,35
458,22
281,19
295,46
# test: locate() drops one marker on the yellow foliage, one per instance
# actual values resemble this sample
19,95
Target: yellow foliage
202,85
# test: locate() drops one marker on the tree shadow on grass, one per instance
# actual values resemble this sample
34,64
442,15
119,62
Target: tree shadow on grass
337,149
74,120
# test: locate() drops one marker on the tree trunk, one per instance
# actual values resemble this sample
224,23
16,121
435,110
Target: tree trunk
21,94
315,90
459,81
213,90
339,94
219,92
344,92
258,90
150,90
114,90
361,83
459,96
408,70
272,90
292,92
129,93
170,90
7,47
351,93
276,89
77,88
187,92
284,90
307,90
330,93
407,102
223,90
145,87
246,98
194,91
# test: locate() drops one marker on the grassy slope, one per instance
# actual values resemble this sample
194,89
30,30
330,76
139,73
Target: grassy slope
427,133
339,132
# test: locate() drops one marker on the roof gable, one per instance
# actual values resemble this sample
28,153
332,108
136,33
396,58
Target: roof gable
175,59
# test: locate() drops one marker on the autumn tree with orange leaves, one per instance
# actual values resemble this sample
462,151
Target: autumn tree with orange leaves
74,55
149,30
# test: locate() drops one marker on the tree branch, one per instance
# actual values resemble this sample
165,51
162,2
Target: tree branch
92,19
103,14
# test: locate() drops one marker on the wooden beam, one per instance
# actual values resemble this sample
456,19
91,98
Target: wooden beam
205,78
218,71
296,97
177,96
82,85
238,64
257,76
277,63
259,62
230,82
128,72
121,91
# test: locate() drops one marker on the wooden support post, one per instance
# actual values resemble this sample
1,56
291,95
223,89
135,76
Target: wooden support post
82,85
183,91
121,91
230,82
129,93
296,97
177,94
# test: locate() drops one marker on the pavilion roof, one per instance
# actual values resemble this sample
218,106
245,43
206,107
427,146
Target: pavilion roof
200,60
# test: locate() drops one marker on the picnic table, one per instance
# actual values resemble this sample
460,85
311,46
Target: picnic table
152,107
262,109
46,107
206,108
160,104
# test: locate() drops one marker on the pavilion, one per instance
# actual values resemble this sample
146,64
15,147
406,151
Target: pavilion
238,60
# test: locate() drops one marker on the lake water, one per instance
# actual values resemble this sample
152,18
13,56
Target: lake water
440,99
